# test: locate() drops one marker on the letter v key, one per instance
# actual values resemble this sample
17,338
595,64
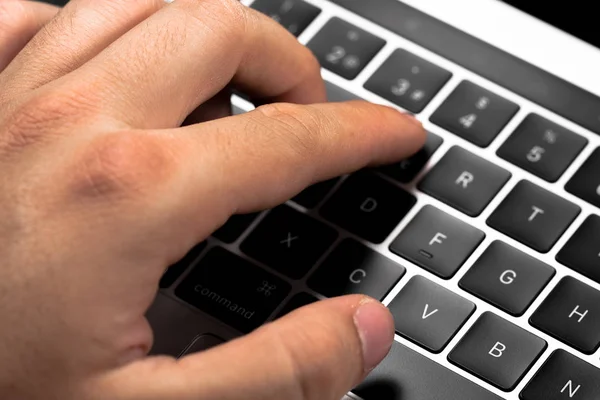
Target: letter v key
426,314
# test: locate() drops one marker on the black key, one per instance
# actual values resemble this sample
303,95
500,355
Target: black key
406,170
518,76
202,343
474,113
337,94
344,48
288,241
564,376
585,184
407,375
314,195
542,147
582,251
408,80
437,242
175,270
497,351
571,313
429,314
533,216
234,227
233,290
354,268
368,206
299,300
464,181
294,15
507,278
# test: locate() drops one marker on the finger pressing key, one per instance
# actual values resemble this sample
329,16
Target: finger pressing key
262,158
346,338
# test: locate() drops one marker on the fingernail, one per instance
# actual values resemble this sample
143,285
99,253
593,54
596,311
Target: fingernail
412,117
132,354
375,327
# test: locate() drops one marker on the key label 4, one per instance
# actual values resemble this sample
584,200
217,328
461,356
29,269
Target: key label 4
468,120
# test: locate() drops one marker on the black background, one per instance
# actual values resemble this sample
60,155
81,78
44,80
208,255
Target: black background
578,17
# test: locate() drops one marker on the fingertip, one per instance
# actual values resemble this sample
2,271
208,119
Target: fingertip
403,134
375,327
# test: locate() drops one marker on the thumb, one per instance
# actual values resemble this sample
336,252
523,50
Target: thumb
318,352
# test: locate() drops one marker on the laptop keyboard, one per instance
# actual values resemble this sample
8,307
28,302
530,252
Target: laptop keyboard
473,244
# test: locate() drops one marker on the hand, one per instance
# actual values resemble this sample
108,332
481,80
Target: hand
101,189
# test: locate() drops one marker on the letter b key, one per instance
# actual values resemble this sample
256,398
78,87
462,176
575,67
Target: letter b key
497,351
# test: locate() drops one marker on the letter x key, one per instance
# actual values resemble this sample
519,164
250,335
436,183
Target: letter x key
287,242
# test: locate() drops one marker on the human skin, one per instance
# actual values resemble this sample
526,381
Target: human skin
118,154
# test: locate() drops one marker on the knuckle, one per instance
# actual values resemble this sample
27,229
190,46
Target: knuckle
43,116
310,63
296,126
121,165
226,19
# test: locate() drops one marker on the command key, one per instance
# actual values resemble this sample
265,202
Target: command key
233,290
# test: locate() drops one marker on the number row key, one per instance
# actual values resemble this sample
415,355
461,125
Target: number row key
542,147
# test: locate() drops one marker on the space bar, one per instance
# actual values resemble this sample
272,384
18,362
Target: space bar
407,375
500,67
